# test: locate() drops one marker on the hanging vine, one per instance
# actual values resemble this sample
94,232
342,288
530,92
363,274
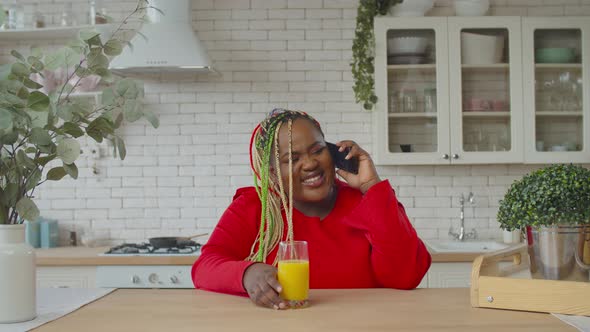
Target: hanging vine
363,50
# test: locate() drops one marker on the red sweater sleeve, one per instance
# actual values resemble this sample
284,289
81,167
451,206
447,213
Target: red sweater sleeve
222,264
398,257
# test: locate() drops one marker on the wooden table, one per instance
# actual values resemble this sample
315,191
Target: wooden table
436,309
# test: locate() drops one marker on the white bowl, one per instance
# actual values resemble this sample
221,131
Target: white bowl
471,7
406,45
477,49
411,8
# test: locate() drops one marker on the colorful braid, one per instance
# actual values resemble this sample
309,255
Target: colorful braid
272,195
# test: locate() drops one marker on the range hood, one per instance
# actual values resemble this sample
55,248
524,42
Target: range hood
170,44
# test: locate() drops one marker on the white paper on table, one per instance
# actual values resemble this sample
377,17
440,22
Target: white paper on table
53,303
582,323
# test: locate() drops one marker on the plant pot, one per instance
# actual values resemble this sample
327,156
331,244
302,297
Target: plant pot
559,252
17,276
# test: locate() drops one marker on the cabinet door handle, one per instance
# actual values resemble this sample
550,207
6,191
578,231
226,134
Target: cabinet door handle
455,156
445,156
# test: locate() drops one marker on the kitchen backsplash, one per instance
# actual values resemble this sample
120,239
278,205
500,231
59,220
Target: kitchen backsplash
178,179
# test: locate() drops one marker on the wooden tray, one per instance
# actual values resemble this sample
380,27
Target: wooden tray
492,288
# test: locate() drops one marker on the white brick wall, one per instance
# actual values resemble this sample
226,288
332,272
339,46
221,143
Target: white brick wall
179,178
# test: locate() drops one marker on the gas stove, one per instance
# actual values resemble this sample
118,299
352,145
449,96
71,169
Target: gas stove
188,248
147,275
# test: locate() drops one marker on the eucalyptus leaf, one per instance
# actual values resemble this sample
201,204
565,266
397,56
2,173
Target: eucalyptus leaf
56,174
131,110
71,169
24,160
113,47
35,63
17,55
33,179
38,101
5,119
38,119
65,112
73,129
68,150
20,70
31,84
121,147
27,209
118,120
40,136
123,86
36,52
108,97
97,62
9,138
11,193
42,161
152,118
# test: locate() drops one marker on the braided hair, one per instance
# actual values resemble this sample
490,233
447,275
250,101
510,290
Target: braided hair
270,188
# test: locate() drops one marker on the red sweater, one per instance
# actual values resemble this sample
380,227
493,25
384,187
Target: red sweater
366,241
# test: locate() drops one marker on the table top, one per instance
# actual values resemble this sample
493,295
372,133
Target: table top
440,309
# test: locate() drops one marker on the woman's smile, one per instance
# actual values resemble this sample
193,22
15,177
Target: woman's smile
314,180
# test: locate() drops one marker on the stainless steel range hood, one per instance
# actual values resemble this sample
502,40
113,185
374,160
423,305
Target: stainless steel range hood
170,45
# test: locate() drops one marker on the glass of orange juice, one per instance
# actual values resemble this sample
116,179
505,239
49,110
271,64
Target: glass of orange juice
293,273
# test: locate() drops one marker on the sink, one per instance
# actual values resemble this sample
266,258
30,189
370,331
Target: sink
466,246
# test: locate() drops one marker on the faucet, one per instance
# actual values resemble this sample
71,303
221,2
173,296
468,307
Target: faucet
461,235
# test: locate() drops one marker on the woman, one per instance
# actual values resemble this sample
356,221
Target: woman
358,233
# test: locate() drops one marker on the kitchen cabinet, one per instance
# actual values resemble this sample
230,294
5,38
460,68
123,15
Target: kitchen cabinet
454,91
66,276
449,275
556,94
57,32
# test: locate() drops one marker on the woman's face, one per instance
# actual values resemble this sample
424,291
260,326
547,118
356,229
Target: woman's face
313,168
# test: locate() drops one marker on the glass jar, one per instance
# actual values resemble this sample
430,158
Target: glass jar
408,100
430,100
67,15
394,105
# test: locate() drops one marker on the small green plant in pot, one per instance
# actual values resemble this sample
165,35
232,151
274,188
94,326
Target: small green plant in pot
553,205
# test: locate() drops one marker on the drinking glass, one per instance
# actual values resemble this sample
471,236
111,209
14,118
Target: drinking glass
293,273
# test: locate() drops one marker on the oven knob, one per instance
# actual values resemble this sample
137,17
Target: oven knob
135,279
174,279
153,278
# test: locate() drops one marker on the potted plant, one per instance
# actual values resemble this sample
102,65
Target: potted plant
363,50
39,134
553,205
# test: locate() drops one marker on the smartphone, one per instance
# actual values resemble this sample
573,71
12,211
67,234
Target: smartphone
350,165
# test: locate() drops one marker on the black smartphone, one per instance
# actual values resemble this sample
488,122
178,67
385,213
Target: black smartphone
350,165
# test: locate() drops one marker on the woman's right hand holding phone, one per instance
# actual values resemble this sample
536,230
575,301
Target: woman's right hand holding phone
262,286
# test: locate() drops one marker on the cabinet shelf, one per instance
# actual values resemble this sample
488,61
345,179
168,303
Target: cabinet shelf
49,33
427,66
493,66
413,115
558,114
558,66
486,114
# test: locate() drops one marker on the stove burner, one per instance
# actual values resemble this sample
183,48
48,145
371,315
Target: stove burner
182,248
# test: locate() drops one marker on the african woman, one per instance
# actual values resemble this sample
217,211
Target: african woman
359,235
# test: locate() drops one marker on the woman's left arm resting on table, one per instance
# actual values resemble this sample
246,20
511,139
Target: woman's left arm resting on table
399,258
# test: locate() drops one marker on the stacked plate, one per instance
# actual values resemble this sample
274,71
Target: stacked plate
407,50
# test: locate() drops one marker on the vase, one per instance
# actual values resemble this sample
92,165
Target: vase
17,276
559,252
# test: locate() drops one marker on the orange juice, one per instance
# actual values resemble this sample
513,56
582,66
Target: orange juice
293,276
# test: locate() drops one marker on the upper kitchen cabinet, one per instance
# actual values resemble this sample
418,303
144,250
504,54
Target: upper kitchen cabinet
411,81
485,79
556,65
449,90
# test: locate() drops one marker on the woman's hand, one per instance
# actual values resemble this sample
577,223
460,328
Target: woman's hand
367,175
260,281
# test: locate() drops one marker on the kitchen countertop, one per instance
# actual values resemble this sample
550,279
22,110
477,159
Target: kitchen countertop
84,256
441,309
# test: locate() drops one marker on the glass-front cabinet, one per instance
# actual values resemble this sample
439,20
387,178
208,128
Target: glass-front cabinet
485,77
448,89
469,90
411,82
556,69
